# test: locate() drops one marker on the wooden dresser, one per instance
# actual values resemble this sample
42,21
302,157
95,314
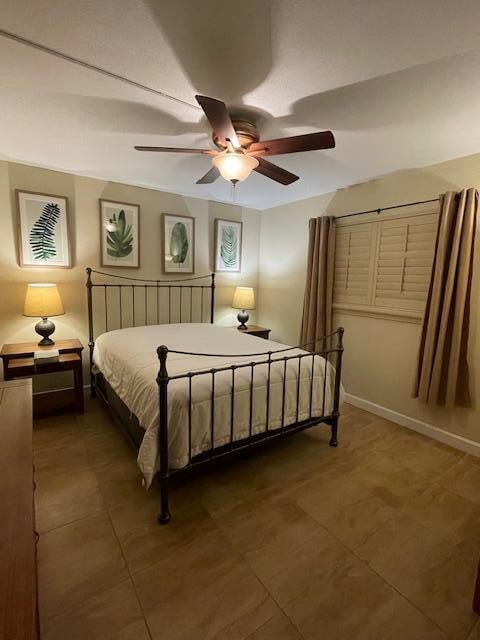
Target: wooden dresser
18,579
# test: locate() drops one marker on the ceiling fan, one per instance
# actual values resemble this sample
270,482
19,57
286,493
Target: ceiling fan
240,149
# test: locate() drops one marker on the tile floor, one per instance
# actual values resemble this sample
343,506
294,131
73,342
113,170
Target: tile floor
377,539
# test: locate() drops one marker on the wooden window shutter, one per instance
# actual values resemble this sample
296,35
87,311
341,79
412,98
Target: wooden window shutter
354,267
383,262
406,247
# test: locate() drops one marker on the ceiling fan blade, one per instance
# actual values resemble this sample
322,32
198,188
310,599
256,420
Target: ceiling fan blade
173,149
210,176
218,116
274,172
295,144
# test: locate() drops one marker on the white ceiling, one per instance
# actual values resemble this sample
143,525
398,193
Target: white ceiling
397,82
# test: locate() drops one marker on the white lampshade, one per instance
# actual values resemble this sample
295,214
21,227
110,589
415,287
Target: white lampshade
235,166
243,298
43,301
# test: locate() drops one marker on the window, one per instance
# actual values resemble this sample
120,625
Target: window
383,262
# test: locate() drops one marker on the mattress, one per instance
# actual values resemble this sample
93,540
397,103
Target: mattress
128,360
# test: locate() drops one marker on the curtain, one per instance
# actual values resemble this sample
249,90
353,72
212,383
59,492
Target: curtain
441,376
317,305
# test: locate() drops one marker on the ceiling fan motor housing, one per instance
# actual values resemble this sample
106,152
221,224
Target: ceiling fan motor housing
247,134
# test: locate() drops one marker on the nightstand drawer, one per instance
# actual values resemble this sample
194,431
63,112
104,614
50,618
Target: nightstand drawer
26,367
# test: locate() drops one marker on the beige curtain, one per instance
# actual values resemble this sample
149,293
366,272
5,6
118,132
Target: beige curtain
317,305
442,360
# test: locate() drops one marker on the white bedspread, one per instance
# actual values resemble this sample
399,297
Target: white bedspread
128,360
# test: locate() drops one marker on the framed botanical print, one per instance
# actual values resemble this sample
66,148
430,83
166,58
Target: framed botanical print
120,234
228,245
178,244
43,230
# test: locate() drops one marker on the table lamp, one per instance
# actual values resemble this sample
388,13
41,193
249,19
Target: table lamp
43,301
243,299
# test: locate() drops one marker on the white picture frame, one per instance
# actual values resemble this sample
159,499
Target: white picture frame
228,246
44,240
120,234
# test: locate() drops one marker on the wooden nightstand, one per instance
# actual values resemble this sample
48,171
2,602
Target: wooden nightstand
18,363
255,330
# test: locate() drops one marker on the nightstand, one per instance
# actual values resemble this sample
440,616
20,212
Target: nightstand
255,330
18,363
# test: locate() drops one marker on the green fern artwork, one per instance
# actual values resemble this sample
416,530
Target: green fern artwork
120,241
179,243
229,247
42,234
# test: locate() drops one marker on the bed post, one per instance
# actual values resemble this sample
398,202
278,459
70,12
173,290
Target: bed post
93,391
212,299
162,381
336,392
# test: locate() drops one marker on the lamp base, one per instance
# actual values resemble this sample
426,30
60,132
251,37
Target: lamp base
243,317
45,328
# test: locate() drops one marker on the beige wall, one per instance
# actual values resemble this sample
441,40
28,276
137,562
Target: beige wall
379,354
83,194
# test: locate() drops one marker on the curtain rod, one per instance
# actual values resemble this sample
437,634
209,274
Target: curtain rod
379,209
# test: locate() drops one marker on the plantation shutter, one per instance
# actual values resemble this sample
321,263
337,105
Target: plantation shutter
354,248
383,265
405,256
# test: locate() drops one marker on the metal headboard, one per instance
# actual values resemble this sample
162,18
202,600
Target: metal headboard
140,302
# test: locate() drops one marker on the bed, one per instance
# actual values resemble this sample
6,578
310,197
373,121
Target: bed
188,391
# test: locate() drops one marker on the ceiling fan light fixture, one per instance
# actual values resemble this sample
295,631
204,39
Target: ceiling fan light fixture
234,166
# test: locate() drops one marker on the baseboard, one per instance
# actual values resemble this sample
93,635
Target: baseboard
452,439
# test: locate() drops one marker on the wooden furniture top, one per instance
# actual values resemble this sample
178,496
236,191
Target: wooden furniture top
27,349
18,609
252,328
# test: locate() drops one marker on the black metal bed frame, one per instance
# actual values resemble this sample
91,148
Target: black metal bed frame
268,358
